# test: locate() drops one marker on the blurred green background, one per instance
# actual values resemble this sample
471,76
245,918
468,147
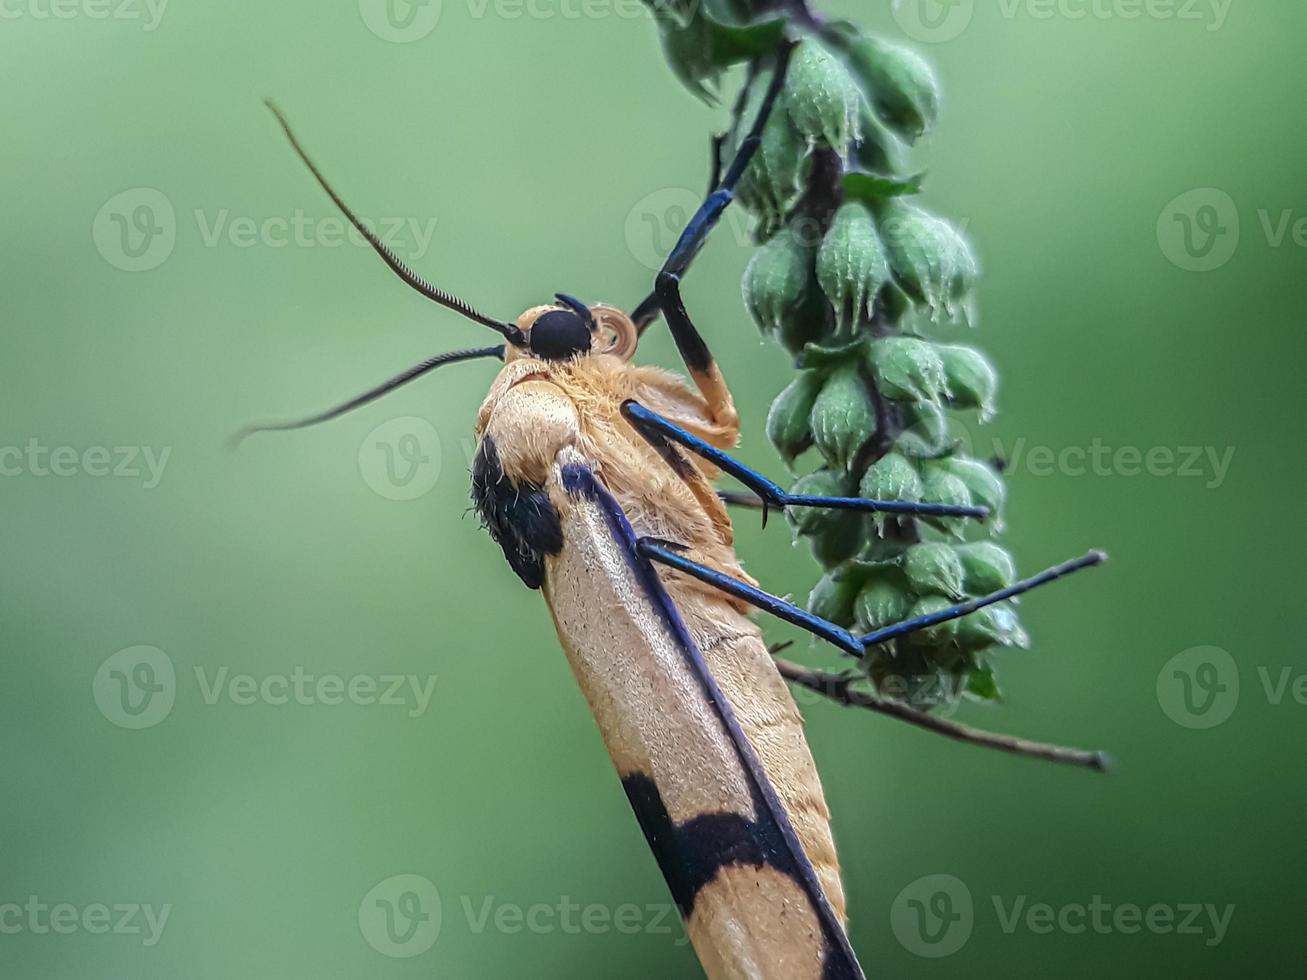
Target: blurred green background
157,295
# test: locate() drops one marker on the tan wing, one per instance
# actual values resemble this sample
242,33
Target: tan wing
753,903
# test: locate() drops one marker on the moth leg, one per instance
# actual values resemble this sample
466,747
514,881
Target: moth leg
661,433
666,297
672,555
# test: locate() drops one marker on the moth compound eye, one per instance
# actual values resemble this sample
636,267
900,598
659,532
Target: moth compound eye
558,335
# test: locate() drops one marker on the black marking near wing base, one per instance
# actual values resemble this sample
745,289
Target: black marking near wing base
691,854
518,516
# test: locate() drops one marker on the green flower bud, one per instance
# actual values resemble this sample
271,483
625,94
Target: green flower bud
926,433
985,567
901,84
995,625
811,521
881,603
777,280
941,634
773,182
822,97
833,597
879,151
934,569
810,324
788,422
984,484
938,486
835,547
851,264
982,686
972,380
891,478
931,260
843,418
908,369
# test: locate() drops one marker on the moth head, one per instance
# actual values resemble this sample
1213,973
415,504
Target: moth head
570,329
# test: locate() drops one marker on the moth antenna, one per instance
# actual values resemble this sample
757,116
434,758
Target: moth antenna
509,331
579,308
370,396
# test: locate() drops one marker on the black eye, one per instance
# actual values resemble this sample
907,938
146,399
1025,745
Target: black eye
558,335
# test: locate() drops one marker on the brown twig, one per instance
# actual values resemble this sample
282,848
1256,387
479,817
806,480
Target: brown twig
839,688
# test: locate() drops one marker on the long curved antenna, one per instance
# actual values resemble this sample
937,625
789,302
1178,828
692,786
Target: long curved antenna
372,395
509,331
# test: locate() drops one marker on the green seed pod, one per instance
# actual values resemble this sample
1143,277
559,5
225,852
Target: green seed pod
822,97
985,567
881,603
992,626
931,260
900,83
843,418
852,265
879,151
833,548
810,521
811,323
985,486
940,635
908,369
938,486
934,569
890,478
788,422
777,280
773,181
972,380
926,433
833,597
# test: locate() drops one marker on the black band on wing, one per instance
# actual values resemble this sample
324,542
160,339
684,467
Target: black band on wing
518,516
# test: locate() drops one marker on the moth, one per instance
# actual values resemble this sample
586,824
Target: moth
596,477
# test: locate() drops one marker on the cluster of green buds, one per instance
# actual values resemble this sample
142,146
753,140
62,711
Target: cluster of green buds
852,276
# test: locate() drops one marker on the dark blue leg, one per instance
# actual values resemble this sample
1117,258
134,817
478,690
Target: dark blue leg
670,555
659,432
666,297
